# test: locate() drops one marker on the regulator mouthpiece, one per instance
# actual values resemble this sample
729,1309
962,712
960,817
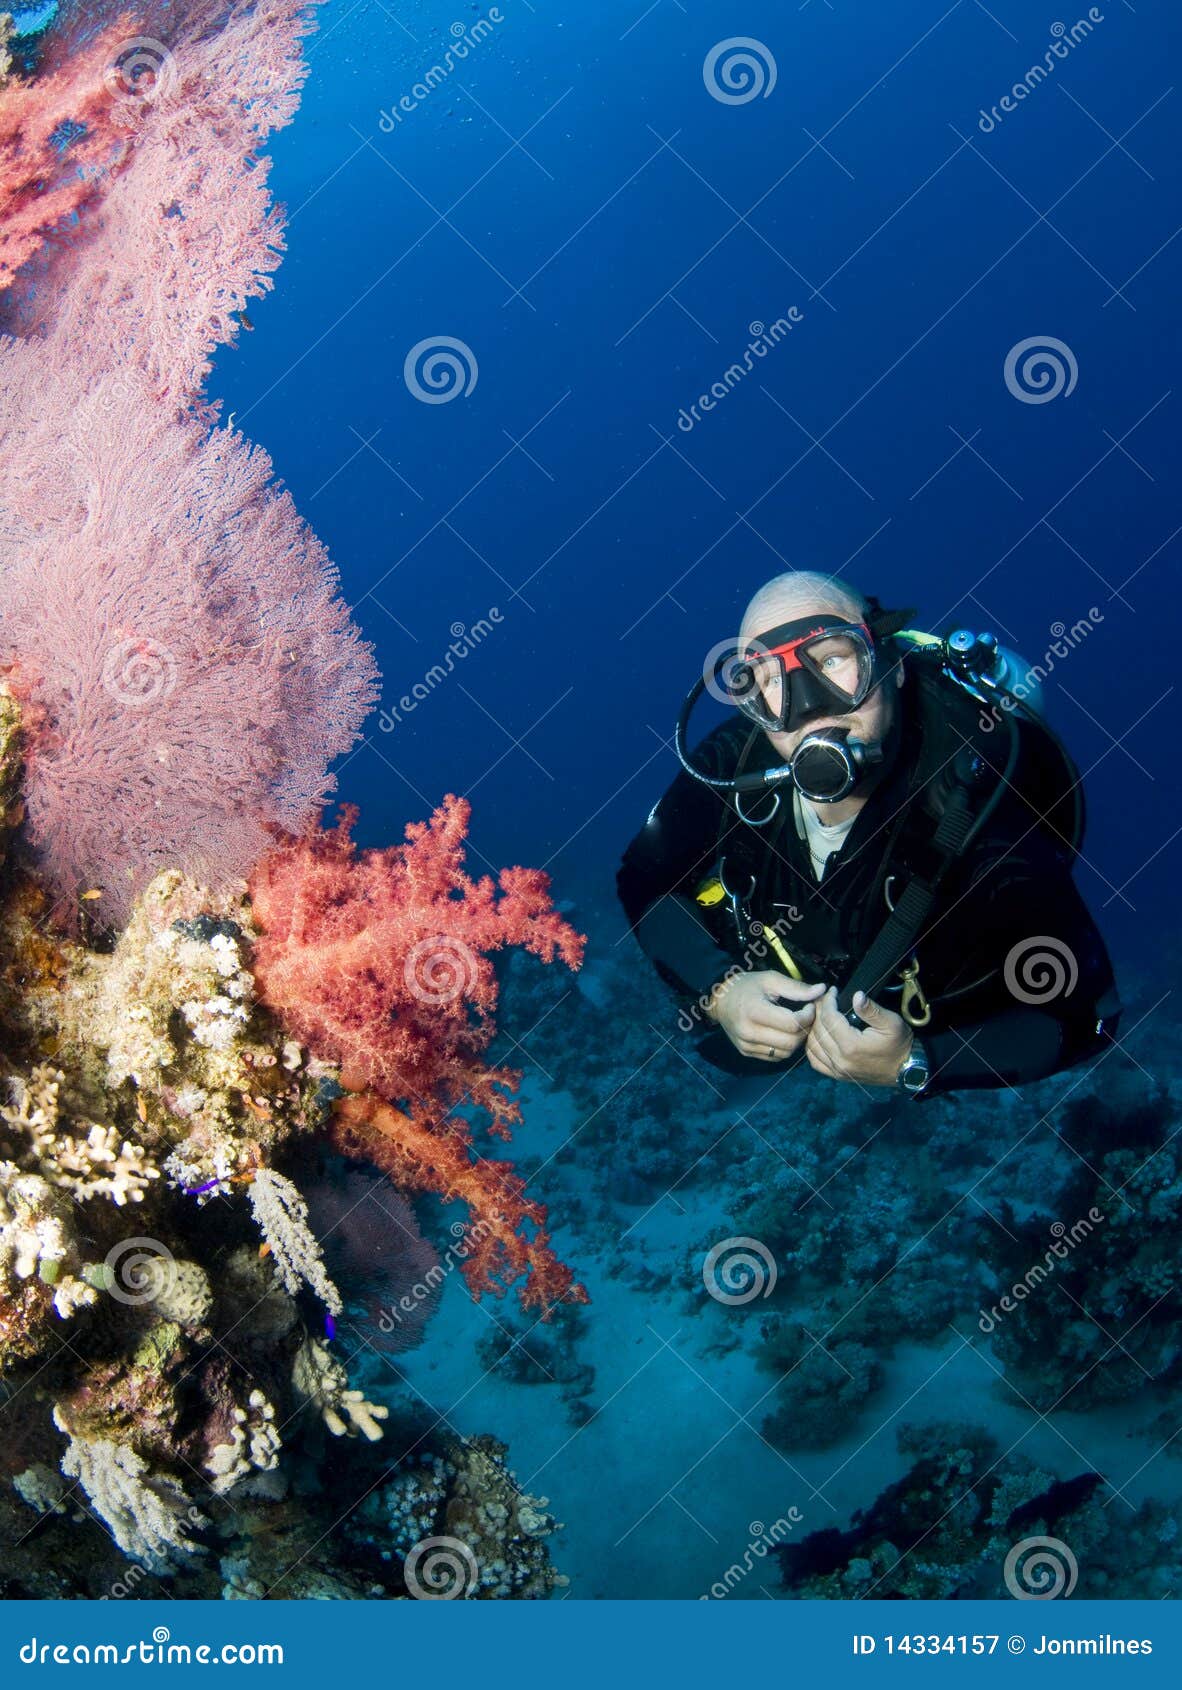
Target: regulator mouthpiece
827,765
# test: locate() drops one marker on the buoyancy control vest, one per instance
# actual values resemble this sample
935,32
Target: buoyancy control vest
973,767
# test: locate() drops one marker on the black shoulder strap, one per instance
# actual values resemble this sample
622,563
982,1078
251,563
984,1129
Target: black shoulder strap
896,938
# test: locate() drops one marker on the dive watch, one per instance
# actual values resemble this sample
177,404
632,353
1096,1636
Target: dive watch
915,1073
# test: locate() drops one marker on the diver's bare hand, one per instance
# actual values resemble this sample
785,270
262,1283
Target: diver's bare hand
871,1055
751,1012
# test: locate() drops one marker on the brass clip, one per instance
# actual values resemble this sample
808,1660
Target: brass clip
914,1006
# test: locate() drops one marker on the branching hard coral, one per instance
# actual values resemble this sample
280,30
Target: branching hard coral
321,1381
99,1165
379,960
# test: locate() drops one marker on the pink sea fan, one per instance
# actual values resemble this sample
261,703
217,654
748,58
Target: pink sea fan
189,667
179,232
171,623
42,181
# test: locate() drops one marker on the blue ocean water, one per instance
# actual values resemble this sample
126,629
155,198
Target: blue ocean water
574,215
590,321
572,204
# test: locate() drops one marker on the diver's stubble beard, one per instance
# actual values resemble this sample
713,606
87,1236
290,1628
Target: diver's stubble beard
884,733
785,745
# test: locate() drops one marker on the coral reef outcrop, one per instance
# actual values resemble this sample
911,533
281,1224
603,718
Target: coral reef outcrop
167,1316
955,1524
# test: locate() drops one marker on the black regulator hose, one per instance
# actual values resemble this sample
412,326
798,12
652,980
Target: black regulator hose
758,781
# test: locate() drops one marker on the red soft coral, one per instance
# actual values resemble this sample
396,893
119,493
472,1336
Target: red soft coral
496,1252
379,961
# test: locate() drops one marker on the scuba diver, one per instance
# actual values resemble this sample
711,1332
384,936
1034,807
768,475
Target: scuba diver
869,866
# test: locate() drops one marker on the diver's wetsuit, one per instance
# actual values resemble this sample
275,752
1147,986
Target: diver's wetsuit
1013,886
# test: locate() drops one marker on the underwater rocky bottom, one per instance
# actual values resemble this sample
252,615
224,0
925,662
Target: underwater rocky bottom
240,1356
299,1544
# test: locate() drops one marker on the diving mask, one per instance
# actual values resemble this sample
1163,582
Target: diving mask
813,666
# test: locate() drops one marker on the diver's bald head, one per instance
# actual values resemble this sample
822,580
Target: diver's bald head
800,592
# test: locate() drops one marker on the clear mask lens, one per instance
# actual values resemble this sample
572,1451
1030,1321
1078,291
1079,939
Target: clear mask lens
763,693
830,673
843,661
